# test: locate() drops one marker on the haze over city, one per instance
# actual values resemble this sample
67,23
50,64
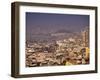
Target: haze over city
47,23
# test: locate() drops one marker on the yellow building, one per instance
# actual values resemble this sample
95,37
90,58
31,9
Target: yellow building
87,53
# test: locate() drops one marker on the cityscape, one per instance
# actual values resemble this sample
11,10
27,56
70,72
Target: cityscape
59,45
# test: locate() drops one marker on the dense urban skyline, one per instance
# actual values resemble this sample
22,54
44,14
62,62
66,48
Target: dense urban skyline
57,39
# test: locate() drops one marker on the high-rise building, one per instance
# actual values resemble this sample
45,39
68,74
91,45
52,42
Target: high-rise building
85,37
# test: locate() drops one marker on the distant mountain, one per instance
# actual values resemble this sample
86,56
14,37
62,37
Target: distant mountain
63,31
57,35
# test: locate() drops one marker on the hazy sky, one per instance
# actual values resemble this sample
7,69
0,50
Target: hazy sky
47,22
